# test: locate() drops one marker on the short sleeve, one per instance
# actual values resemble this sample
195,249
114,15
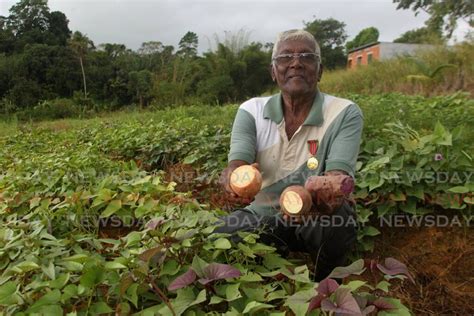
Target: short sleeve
344,149
244,137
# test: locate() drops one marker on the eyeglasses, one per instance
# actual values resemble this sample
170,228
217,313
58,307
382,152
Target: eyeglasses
305,58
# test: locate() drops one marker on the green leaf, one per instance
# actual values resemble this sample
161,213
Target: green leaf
357,267
253,307
133,238
60,281
190,159
131,294
100,308
112,265
383,285
246,250
232,292
222,243
49,298
81,258
459,189
25,266
469,200
184,300
111,208
299,302
371,231
274,261
91,277
49,270
355,285
198,266
250,277
7,293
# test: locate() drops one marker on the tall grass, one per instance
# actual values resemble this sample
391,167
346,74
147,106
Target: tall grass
409,75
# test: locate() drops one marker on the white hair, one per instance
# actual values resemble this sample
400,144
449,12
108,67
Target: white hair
294,35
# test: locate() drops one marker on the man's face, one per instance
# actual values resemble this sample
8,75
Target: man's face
298,76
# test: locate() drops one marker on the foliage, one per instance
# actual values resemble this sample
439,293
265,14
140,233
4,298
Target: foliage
331,35
422,35
445,12
366,36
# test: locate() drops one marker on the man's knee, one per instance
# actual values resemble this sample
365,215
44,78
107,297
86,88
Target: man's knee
337,232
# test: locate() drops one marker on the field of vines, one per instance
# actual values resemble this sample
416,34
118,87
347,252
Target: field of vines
115,215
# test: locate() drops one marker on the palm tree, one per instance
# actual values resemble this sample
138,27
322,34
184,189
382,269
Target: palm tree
81,44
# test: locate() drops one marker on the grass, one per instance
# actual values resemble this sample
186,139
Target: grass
409,75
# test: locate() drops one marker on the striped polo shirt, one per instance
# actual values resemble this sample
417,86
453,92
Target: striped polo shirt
258,135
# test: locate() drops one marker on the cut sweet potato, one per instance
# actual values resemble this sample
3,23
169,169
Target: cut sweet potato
246,181
295,200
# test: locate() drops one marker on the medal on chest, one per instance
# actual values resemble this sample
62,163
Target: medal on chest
312,163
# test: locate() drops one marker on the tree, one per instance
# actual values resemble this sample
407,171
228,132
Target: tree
141,83
188,45
81,44
443,13
331,35
58,28
366,36
422,35
7,38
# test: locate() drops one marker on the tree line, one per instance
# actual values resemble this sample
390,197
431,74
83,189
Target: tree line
42,59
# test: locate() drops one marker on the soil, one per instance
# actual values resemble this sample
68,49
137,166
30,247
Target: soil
441,260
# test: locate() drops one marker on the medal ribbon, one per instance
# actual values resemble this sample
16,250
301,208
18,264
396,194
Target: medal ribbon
313,147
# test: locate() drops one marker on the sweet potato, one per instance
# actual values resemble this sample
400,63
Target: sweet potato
246,181
295,200
329,192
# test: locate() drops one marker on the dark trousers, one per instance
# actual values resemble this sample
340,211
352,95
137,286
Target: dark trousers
326,238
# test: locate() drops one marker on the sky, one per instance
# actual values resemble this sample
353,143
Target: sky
132,22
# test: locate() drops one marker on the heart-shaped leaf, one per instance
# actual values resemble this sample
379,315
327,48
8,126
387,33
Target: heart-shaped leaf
183,280
382,305
357,267
327,287
218,271
315,302
345,303
393,267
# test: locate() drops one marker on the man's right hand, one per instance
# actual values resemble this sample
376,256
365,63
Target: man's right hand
224,182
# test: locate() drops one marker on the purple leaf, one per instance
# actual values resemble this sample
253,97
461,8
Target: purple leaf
315,302
183,280
357,267
155,223
218,271
327,286
382,305
345,303
394,267
150,253
327,305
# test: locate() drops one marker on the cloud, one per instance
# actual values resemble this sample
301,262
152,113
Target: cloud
133,22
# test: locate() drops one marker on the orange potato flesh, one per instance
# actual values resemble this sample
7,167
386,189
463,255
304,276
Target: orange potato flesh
246,181
295,201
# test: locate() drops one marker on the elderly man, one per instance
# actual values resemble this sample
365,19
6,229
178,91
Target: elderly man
297,133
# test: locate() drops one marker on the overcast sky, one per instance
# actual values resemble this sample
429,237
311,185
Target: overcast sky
132,22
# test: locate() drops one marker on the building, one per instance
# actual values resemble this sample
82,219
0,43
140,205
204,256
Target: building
364,55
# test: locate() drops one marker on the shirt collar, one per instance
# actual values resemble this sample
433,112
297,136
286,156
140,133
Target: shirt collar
273,110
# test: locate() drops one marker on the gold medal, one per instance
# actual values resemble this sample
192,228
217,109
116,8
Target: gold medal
312,163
